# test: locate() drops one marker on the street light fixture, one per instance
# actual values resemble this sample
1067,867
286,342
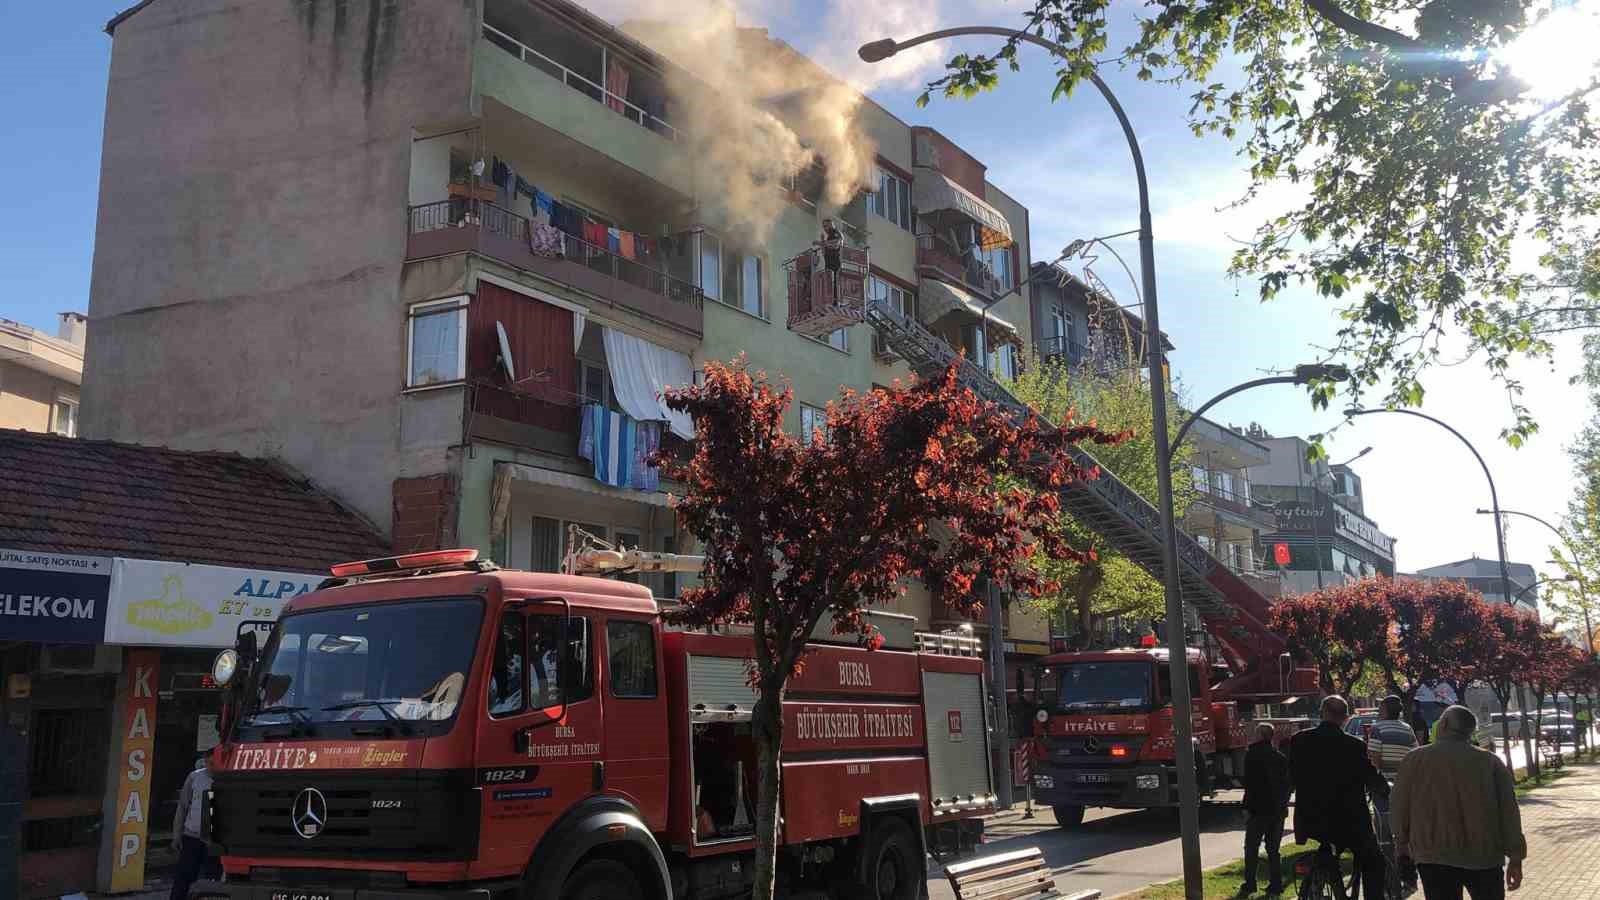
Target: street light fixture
1494,502
1303,374
1587,626
1182,703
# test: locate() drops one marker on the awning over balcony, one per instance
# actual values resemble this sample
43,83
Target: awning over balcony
932,192
505,473
937,299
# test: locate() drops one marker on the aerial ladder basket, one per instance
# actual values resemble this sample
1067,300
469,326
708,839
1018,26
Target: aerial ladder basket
827,289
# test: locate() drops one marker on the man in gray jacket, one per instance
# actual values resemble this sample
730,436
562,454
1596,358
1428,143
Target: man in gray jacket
1455,814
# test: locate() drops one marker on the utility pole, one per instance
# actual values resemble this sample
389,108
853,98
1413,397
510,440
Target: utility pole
997,694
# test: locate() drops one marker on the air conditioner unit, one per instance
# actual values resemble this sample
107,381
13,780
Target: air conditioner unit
80,659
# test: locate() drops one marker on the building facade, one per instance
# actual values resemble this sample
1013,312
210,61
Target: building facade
1226,518
1483,576
1320,520
40,375
447,271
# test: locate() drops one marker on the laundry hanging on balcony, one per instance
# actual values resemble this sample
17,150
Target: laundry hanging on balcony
606,438
640,371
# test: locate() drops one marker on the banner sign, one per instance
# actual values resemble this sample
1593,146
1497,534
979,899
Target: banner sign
178,604
135,769
53,597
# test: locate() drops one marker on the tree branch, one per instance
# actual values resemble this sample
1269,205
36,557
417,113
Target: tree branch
1361,28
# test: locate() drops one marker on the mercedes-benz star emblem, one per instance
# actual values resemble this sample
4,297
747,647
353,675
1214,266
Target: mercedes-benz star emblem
309,813
1090,745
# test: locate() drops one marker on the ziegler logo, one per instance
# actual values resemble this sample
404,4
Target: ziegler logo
855,674
381,758
848,820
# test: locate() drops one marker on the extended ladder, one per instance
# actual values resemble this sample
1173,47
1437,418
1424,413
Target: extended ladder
1234,612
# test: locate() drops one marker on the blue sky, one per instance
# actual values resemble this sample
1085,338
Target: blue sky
1066,161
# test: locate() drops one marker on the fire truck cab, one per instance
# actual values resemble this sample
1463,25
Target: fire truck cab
1104,732
431,726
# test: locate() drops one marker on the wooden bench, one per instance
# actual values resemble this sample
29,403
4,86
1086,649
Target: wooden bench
1008,876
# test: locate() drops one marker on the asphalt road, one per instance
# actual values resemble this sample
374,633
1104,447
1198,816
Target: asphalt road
1116,851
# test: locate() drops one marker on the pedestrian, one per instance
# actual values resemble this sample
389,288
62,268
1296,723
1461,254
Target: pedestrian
1332,777
1455,815
1391,738
188,841
1419,722
1266,801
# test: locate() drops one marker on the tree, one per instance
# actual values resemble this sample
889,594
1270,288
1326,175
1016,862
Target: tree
1098,583
1516,637
1414,157
1440,634
1344,629
1552,670
901,484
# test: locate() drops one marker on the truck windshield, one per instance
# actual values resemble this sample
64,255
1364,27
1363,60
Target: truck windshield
1104,687
403,662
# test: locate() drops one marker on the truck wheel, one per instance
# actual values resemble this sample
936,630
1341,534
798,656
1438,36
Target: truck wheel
1068,816
601,879
894,869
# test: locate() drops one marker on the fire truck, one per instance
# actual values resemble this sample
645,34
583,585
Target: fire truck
433,726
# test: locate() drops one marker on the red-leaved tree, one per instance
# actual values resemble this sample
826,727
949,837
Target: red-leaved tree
1439,633
929,483
1517,642
1343,629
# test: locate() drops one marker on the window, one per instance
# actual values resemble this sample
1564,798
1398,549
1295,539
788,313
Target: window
839,340
892,199
1058,321
741,283
437,337
632,656
546,545
812,420
999,262
972,341
547,652
594,385
505,680
1202,479
896,298
711,266
64,418
1004,362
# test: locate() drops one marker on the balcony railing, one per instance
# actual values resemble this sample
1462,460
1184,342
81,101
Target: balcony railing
463,224
933,252
1064,346
596,92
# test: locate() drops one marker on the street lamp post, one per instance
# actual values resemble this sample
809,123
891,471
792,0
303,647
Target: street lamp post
1494,502
1303,374
1182,704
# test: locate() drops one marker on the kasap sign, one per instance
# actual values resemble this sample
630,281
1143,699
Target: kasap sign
53,596
166,603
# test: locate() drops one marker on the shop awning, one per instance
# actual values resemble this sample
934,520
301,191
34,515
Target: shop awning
937,299
931,192
505,473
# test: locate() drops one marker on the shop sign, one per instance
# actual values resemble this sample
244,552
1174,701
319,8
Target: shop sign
179,604
134,770
53,597
1364,532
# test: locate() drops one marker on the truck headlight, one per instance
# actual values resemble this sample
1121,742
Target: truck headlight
1043,781
224,667
1147,782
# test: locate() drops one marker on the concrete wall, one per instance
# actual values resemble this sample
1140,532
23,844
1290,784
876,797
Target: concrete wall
27,398
254,179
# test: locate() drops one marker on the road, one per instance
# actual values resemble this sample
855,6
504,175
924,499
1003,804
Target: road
1115,851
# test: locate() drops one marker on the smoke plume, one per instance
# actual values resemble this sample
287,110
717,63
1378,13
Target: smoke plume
755,112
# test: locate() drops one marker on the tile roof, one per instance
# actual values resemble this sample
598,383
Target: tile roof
100,498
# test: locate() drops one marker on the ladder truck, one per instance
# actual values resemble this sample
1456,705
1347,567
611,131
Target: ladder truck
1103,720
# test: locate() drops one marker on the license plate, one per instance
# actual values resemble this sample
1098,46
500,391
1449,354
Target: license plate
1147,782
1094,779
305,895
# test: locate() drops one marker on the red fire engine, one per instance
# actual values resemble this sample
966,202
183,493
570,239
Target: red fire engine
432,726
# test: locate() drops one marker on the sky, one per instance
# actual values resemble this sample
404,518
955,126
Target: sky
1064,160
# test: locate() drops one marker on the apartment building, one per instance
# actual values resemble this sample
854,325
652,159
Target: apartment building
446,268
1225,518
1321,521
1082,326
40,375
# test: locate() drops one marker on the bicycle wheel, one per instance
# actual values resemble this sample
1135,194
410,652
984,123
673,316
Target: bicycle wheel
1325,881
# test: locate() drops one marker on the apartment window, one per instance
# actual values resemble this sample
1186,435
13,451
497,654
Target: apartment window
896,298
1004,362
972,341
742,282
711,266
1058,321
64,418
812,420
892,199
1202,479
594,385
546,545
437,340
999,261
839,340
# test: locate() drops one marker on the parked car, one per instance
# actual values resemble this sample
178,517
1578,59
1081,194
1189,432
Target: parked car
1558,728
1358,723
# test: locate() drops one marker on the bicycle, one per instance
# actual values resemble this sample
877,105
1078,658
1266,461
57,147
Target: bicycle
1395,882
1325,878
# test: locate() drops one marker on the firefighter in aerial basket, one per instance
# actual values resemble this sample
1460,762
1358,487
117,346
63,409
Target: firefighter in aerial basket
832,248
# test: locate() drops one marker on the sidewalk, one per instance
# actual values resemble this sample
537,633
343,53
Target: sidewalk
1563,843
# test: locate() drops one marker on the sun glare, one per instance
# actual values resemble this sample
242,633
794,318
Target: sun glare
1559,54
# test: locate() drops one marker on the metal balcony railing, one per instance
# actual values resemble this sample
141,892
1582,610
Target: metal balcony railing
596,92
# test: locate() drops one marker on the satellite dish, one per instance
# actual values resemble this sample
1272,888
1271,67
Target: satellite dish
505,352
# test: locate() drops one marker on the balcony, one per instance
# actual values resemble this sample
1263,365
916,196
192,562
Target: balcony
1063,347
1233,505
533,417
462,224
935,256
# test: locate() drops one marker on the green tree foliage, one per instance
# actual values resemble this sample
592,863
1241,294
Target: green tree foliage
1106,584
1415,158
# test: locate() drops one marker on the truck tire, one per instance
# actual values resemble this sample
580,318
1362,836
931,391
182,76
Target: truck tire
895,869
1068,816
601,879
